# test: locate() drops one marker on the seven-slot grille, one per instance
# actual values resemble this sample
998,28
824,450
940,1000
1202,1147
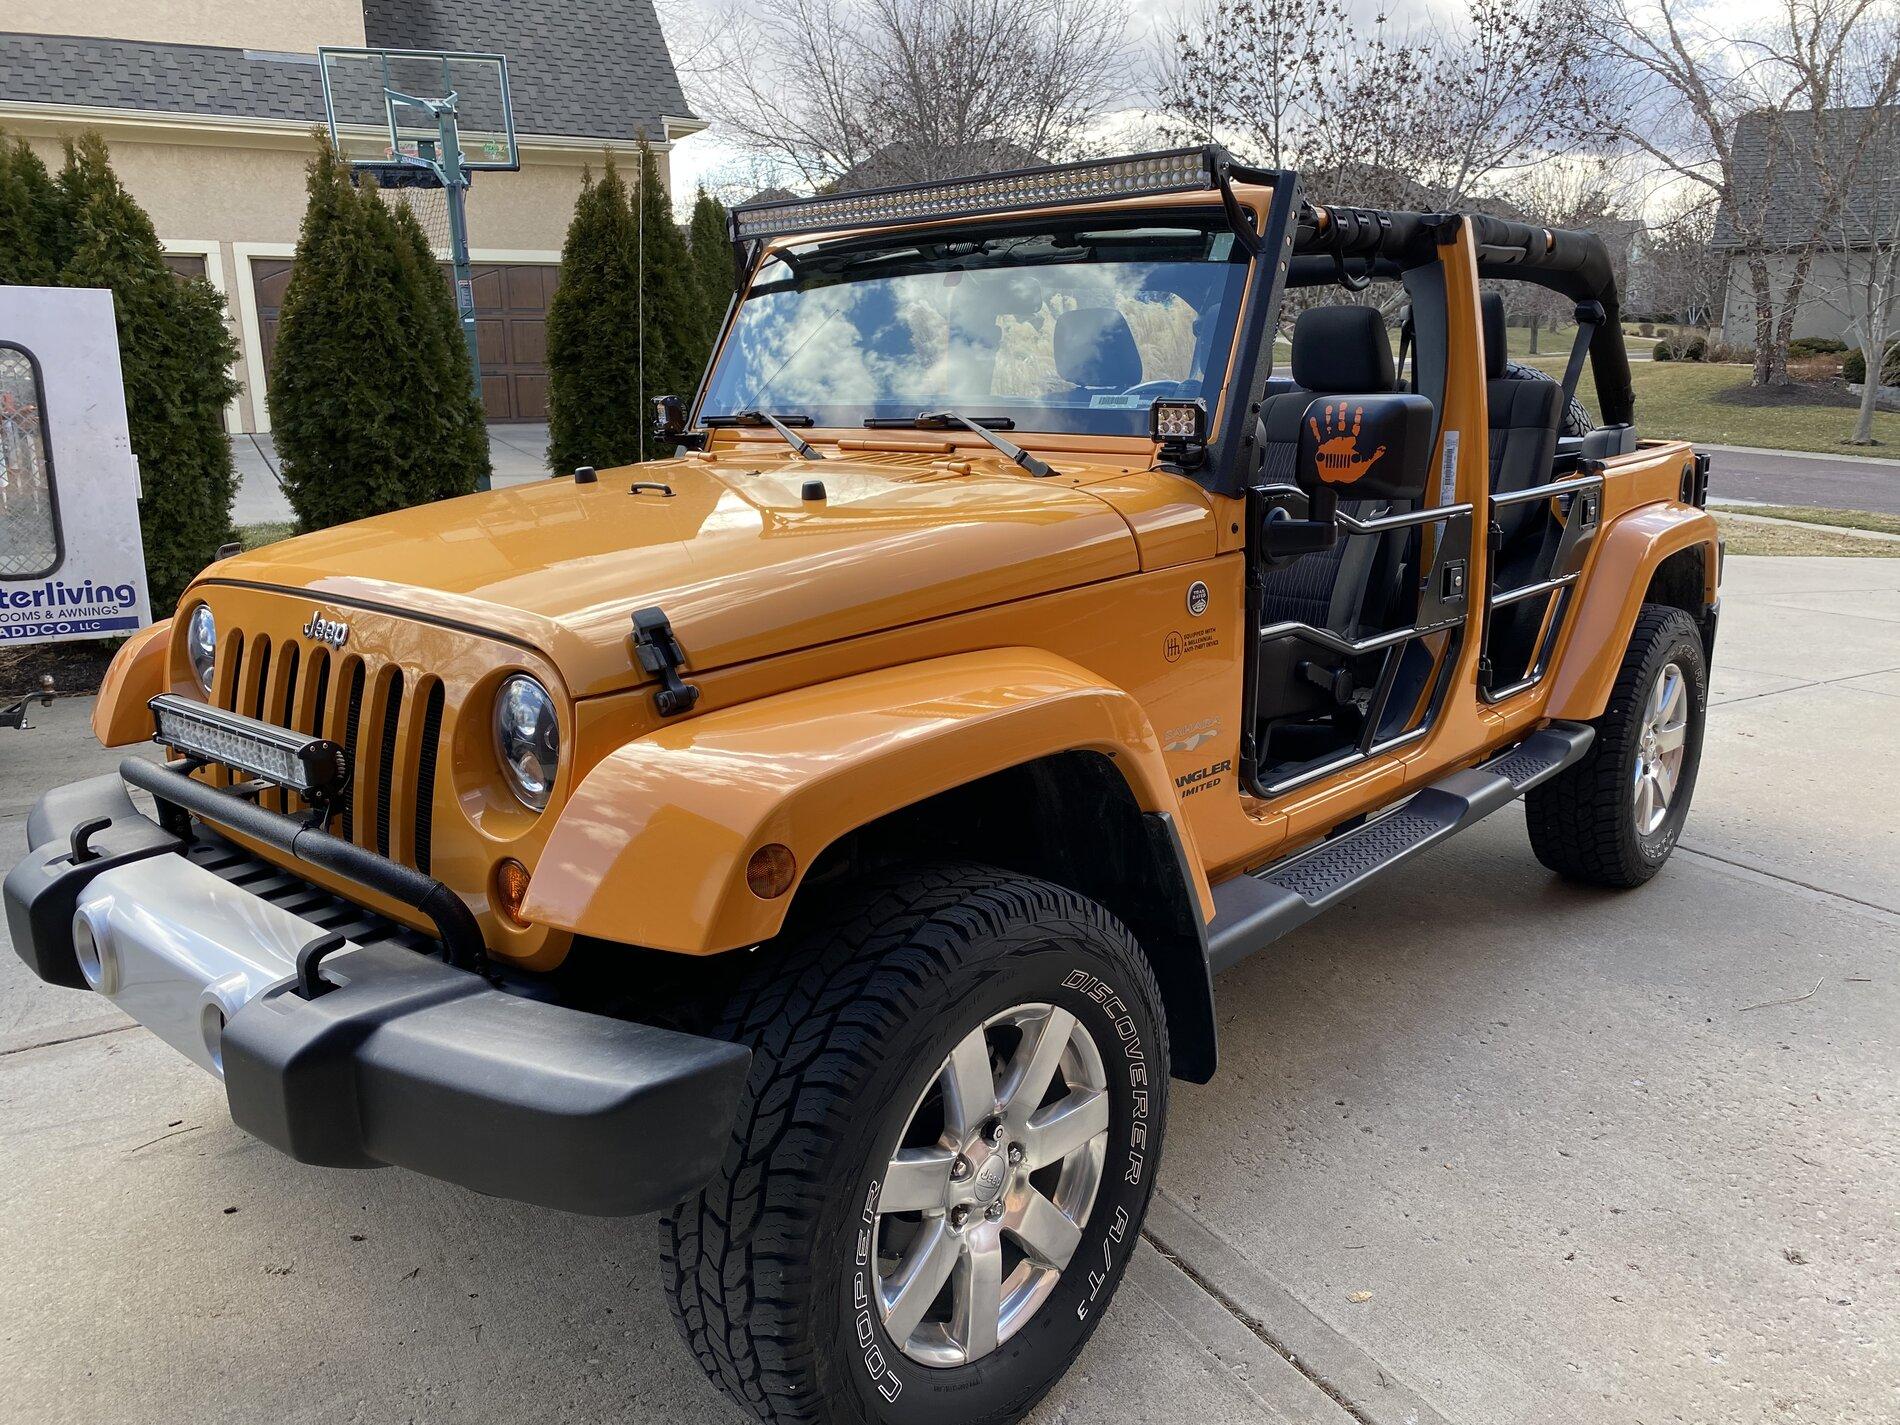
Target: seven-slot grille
387,720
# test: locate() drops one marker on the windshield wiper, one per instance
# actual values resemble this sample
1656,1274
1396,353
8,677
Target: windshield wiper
985,426
765,418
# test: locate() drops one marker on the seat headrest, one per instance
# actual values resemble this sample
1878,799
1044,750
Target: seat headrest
1497,345
1094,347
1342,350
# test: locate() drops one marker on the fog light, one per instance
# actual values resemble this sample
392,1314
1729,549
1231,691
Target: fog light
511,889
769,873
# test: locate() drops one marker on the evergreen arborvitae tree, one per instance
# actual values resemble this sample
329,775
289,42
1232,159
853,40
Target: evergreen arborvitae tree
672,359
458,434
176,354
34,238
712,268
370,390
594,412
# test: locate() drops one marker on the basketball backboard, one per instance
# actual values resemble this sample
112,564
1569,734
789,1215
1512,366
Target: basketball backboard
383,104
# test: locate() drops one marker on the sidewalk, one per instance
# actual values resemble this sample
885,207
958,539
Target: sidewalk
517,452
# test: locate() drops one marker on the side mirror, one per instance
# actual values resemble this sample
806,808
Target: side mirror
669,417
1374,447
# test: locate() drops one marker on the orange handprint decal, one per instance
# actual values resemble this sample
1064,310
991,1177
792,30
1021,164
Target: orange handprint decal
1339,460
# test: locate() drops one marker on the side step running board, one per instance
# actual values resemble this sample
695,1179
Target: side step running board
1252,911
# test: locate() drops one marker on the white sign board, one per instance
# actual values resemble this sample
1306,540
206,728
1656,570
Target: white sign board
71,563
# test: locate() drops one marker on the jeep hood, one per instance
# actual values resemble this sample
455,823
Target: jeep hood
743,564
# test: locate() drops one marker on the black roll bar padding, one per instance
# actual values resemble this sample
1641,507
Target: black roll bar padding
1569,261
455,923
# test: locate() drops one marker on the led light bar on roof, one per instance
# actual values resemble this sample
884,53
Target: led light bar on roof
1186,170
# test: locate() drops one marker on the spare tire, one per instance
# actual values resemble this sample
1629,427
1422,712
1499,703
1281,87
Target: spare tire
1576,420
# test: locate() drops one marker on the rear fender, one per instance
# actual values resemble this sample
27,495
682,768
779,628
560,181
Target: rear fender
652,848
1628,555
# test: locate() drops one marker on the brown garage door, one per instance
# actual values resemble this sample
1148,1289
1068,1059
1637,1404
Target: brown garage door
511,332
186,265
511,322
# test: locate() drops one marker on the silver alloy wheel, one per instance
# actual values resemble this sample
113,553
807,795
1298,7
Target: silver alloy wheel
995,1174
1659,751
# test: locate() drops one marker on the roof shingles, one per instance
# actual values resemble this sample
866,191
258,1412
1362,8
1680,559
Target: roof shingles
1779,194
577,68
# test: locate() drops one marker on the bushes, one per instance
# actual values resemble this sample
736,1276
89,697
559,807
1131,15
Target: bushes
1683,347
370,394
85,230
1854,366
628,321
1816,346
34,241
1676,348
593,333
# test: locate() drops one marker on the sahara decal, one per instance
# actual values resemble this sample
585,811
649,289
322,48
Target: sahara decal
1191,735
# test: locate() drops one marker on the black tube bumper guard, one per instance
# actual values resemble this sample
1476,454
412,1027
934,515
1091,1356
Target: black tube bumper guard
371,1054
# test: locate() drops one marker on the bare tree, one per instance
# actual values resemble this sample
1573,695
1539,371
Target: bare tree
1596,192
927,87
1715,109
1420,117
1675,268
1858,276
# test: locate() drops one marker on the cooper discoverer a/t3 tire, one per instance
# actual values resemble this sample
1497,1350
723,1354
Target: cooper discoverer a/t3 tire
941,1160
1613,818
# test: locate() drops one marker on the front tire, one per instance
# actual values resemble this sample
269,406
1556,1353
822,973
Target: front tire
1613,818
941,1159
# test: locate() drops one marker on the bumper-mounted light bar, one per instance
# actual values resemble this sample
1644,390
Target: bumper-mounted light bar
314,766
1185,170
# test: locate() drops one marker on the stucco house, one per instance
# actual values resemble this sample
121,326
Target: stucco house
1774,164
209,107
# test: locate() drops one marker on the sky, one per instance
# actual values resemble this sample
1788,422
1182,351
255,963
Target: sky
707,157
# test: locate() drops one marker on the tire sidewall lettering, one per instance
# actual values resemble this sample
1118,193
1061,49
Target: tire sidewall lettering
1129,1056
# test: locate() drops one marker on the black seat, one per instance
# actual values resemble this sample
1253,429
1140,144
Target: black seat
1524,415
1336,351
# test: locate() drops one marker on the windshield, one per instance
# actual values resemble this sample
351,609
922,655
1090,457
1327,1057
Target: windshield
1073,325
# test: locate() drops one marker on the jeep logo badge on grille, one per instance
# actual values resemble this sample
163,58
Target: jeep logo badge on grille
324,630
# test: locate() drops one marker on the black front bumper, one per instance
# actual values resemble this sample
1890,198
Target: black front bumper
399,1058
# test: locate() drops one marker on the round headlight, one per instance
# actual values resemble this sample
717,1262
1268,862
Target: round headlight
201,643
528,739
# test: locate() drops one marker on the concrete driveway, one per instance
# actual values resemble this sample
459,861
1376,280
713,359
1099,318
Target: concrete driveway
1485,1148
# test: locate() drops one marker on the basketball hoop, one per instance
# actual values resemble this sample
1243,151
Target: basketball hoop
396,173
421,124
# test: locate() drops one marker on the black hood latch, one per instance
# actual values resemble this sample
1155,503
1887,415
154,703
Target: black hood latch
661,655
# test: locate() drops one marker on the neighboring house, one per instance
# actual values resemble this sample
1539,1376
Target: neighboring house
897,164
1773,161
209,110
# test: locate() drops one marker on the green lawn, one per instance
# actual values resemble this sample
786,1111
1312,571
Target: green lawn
1680,398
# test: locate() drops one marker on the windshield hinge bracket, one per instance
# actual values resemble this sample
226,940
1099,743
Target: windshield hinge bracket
661,655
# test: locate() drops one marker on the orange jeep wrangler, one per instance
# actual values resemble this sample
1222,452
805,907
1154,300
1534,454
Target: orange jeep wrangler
827,835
